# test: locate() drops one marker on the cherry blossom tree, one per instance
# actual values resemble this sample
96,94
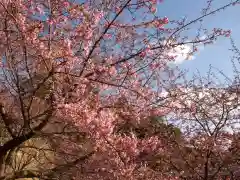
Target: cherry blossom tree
74,72
207,109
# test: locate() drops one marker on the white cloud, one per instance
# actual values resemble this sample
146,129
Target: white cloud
182,53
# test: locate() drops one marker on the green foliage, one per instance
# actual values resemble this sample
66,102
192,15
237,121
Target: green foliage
39,84
157,120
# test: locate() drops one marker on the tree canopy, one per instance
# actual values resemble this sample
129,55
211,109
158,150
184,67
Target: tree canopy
87,93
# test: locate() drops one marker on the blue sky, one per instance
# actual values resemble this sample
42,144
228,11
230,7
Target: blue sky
217,54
